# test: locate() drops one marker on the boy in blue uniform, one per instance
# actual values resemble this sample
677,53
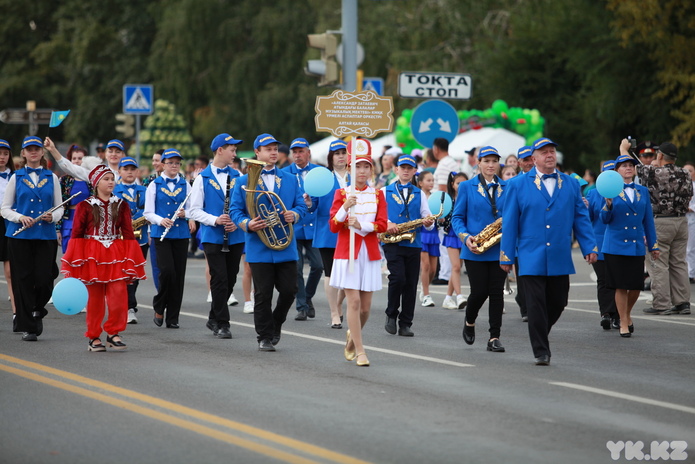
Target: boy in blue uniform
162,200
210,206
270,268
405,203
134,195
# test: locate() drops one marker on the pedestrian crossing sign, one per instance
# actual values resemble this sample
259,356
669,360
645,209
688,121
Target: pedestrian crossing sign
138,99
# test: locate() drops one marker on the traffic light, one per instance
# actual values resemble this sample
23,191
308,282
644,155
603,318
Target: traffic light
127,125
326,69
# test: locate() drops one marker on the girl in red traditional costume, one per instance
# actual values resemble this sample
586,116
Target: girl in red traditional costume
368,219
104,254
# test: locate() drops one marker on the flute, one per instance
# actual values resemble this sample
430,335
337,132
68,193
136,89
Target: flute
176,213
23,228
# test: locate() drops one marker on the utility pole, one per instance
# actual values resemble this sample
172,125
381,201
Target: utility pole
349,26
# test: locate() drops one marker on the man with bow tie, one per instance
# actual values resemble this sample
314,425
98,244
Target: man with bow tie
542,209
134,195
211,191
270,268
304,233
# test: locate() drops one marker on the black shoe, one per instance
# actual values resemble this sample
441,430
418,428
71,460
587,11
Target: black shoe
212,325
29,337
223,332
683,308
311,312
626,335
158,321
173,325
390,325
440,282
336,326
265,345
524,318
468,333
615,323
14,323
405,332
39,322
115,344
301,316
276,339
495,346
606,322
543,360
631,328
96,347
654,311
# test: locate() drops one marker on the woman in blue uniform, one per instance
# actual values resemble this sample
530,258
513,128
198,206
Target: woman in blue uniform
629,219
479,203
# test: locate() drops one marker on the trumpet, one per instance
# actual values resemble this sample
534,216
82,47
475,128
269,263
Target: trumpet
23,228
278,235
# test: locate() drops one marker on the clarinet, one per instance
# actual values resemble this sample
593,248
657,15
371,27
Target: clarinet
225,210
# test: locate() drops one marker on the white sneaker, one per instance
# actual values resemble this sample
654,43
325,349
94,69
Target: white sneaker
461,301
209,300
232,301
449,303
248,307
84,310
427,301
131,316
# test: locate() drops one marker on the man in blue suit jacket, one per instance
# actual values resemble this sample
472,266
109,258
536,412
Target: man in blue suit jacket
542,209
270,268
304,234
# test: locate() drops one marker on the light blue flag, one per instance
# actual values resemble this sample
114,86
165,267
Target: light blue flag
57,117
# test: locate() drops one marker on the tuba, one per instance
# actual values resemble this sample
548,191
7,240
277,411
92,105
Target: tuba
268,205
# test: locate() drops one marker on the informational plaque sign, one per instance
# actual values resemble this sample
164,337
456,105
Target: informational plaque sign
363,114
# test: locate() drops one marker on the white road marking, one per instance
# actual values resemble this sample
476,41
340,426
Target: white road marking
637,399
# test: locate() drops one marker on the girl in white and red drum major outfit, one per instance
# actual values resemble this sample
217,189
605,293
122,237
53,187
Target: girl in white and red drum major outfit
104,254
368,219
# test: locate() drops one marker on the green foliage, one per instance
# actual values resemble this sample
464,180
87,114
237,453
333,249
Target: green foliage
596,71
166,128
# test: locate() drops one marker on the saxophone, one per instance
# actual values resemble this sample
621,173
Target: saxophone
406,230
488,237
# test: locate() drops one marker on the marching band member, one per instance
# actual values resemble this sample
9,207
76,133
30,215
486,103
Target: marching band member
6,172
324,239
134,196
368,219
405,203
479,203
210,206
165,197
629,220
68,186
29,194
271,267
304,232
104,254
115,150
542,209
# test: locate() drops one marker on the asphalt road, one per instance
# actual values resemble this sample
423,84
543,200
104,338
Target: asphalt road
181,396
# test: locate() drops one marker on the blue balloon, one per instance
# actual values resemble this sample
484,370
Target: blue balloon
435,203
70,296
318,182
609,184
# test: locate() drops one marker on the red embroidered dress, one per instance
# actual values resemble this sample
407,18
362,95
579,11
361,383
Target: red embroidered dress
107,252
